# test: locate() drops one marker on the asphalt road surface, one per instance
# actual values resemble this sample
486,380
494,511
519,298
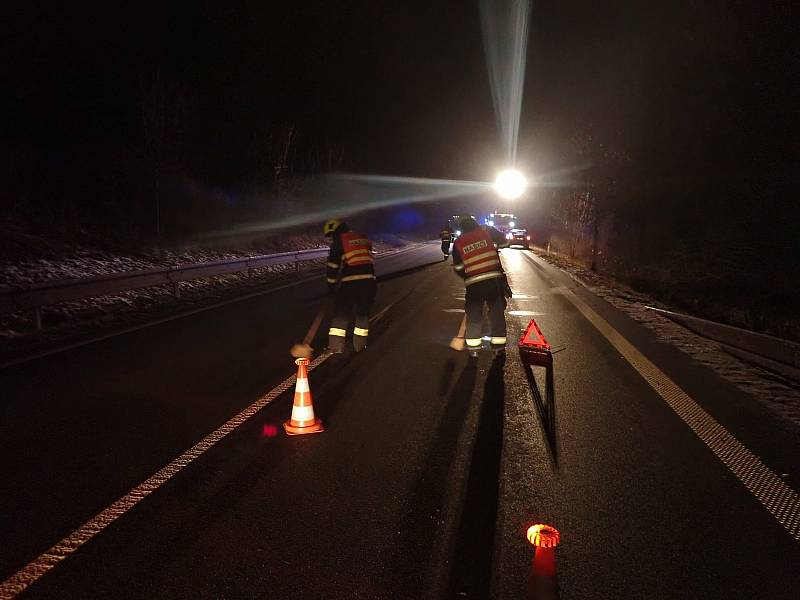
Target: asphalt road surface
431,467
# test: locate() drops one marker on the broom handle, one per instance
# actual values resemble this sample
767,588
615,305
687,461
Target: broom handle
312,331
463,327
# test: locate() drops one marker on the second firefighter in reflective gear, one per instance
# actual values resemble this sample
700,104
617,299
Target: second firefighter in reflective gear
477,261
447,238
351,277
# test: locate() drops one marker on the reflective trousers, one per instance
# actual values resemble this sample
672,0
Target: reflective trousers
491,293
352,297
446,247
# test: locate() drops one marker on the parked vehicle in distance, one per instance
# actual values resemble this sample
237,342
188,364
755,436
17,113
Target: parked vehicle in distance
507,224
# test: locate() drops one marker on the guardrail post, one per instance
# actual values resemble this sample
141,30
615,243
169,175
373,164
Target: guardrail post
176,288
37,317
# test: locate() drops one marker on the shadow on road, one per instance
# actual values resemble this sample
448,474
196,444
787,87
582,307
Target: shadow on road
423,513
446,376
474,546
341,369
545,408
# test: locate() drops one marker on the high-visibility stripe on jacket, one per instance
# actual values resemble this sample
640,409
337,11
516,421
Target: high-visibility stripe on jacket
476,257
446,235
350,258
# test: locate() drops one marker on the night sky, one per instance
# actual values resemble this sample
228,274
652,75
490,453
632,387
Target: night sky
690,89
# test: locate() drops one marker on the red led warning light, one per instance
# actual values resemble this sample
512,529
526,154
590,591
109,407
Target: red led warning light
543,575
543,536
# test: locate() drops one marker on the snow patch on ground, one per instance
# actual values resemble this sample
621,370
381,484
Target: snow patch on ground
779,395
69,322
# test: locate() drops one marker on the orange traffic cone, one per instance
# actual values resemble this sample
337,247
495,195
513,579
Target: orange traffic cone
302,420
542,578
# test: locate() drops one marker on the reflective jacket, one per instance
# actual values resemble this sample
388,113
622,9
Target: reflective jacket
350,258
475,256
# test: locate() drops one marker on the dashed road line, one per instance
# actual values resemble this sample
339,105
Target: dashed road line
40,566
35,569
780,500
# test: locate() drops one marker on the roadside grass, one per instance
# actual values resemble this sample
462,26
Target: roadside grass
733,296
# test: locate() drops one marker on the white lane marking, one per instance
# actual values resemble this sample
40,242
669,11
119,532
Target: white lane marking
782,502
525,313
35,569
379,315
40,566
453,310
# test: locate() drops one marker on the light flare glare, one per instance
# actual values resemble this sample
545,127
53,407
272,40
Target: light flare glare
349,194
510,184
505,39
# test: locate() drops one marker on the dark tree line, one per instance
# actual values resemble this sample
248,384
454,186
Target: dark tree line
684,142
155,187
722,246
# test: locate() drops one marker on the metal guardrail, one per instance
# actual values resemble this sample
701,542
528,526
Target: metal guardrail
43,294
767,346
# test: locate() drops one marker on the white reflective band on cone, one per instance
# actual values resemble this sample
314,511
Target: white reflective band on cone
302,386
361,332
336,331
473,342
302,413
498,340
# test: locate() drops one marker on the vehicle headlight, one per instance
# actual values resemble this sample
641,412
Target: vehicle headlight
490,223
458,232
510,184
509,236
511,223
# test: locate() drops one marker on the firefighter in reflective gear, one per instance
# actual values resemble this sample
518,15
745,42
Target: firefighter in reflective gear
447,238
477,261
351,278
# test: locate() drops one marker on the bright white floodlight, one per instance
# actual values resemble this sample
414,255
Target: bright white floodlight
510,184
